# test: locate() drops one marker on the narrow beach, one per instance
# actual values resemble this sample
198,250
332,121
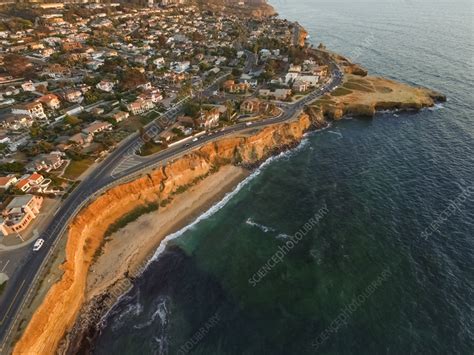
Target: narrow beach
136,242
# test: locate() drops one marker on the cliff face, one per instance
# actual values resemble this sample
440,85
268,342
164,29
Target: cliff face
64,300
302,36
359,96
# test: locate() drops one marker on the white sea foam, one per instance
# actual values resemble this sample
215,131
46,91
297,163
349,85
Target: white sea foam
131,311
214,209
336,133
161,311
263,228
329,125
436,107
282,236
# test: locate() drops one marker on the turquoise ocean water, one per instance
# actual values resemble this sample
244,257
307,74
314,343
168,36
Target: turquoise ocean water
385,266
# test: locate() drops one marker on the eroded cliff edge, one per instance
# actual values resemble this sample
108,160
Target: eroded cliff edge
358,96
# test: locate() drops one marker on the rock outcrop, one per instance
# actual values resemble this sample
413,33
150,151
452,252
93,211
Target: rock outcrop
364,96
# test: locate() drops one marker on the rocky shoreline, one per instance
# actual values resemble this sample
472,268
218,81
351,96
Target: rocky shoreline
67,320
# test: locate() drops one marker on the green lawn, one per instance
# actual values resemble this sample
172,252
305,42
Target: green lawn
77,167
341,92
150,148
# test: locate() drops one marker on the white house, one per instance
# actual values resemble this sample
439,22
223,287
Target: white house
105,85
32,109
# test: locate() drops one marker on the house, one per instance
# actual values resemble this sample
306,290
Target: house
97,127
265,53
159,62
9,91
180,67
7,181
294,68
32,109
153,95
278,94
34,180
28,86
73,95
208,119
120,116
16,122
232,87
146,86
23,185
57,71
291,76
46,162
321,71
94,64
51,101
4,139
19,213
186,121
165,136
141,59
81,139
96,111
250,105
47,52
140,106
71,46
300,86
105,85
311,80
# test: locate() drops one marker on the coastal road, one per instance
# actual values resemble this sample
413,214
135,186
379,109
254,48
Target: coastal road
20,287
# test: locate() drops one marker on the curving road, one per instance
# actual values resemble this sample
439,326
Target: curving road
21,285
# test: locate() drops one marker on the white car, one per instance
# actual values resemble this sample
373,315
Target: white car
38,244
248,124
195,139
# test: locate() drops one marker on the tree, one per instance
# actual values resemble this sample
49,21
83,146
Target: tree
191,109
131,78
236,72
15,167
17,65
72,120
230,109
36,131
178,132
3,147
91,96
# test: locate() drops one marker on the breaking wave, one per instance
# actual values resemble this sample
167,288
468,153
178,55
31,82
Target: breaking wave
219,205
263,228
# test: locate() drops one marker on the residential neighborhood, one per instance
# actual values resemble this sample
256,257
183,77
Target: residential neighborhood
77,79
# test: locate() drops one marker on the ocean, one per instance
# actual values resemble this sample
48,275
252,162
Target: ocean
358,241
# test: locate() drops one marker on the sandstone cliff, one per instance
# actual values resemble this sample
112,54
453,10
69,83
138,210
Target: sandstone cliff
360,96
64,300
